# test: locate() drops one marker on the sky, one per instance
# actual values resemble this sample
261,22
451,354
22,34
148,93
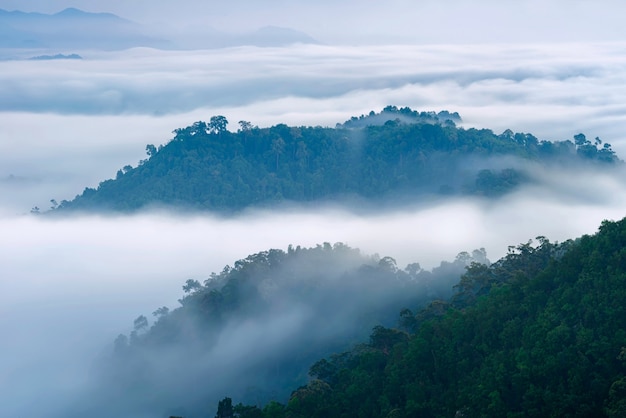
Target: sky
368,21
68,287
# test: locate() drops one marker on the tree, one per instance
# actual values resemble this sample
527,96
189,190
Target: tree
278,147
385,338
140,323
244,126
162,311
507,134
120,344
225,408
606,154
388,263
408,320
247,411
217,124
151,150
199,128
274,410
413,269
580,140
191,285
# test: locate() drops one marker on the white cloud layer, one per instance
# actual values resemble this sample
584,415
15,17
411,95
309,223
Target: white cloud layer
68,287
67,125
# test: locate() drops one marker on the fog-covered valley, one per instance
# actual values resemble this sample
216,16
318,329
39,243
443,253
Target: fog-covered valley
70,285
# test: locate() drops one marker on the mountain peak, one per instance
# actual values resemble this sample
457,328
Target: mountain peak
70,11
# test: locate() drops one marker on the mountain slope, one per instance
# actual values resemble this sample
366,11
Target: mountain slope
254,329
206,167
76,29
71,29
539,333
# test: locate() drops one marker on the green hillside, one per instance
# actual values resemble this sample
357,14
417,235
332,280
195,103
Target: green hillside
254,329
397,155
540,333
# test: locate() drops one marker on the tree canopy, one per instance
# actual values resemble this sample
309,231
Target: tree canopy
539,333
253,330
395,155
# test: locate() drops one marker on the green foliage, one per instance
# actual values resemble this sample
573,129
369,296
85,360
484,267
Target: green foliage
207,167
225,408
343,294
540,333
393,115
492,183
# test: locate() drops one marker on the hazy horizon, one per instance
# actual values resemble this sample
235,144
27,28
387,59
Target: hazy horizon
369,22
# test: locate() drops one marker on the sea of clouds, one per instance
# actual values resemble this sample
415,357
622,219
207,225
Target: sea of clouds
69,286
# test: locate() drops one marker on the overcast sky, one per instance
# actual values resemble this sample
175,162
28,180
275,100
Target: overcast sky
367,21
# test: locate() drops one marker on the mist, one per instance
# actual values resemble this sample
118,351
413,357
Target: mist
70,286
68,125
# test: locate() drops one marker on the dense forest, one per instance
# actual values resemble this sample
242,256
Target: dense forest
254,329
539,333
329,332
397,155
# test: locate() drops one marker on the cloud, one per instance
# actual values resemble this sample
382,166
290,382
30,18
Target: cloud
145,81
69,286
67,125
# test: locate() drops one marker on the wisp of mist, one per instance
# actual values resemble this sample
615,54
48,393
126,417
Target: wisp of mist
69,286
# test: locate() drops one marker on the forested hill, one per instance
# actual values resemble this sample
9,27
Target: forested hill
254,329
540,333
396,155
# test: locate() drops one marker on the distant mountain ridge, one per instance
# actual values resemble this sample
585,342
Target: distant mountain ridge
68,12
56,57
73,28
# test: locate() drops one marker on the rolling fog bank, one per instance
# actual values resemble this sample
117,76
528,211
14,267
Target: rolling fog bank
71,285
87,119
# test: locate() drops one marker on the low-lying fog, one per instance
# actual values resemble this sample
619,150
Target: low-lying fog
70,124
68,287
